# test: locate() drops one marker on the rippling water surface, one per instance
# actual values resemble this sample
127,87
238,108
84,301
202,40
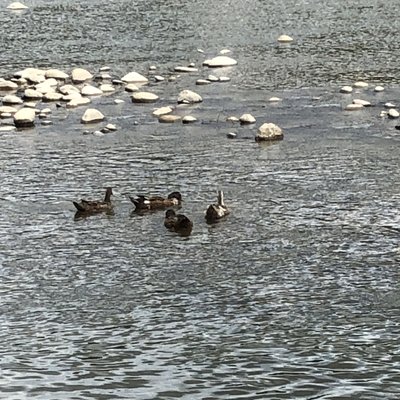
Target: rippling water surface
294,296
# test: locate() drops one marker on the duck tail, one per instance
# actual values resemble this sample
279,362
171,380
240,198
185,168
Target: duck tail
78,206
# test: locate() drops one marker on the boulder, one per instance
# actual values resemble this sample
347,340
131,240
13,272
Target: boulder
92,115
144,97
269,132
25,117
80,75
134,77
189,97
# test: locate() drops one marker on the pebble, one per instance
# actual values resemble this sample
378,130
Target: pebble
52,96
224,79
80,75
56,74
7,128
213,78
11,99
202,82
78,101
162,111
111,127
231,135
16,5
152,68
390,105
225,51
47,122
274,99
119,101
268,132
232,119
105,68
107,88
131,87
89,90
379,89
185,69
159,78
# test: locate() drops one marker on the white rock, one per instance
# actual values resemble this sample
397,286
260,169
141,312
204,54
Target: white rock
33,75
231,135
269,131
360,84
223,79
56,74
346,89
111,127
159,78
7,128
162,111
8,85
247,119
274,99
134,77
52,96
285,39
225,51
89,90
68,89
364,103
16,5
107,88
188,97
8,110
379,89
78,101
188,119
131,87
220,61
46,111
12,99
185,69
30,104
5,115
233,119
393,113
152,68
169,118
80,75
25,117
202,82
46,86
387,105
213,78
72,96
144,97
119,101
383,114
200,50
105,76
32,94
354,107
104,69
92,115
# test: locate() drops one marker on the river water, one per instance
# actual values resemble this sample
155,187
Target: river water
295,295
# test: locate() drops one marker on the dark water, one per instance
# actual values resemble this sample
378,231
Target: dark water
294,296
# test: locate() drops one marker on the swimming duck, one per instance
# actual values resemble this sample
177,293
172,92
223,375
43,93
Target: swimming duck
217,211
143,203
178,223
95,206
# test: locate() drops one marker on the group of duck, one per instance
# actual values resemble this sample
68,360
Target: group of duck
174,222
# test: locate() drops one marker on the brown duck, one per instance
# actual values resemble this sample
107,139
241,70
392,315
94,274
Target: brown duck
143,203
95,206
178,223
217,211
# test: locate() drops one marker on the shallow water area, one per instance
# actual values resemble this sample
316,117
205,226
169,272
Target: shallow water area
294,295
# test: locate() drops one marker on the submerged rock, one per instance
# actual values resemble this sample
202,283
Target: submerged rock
268,132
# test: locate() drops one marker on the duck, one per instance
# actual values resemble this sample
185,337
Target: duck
179,223
143,203
95,206
217,211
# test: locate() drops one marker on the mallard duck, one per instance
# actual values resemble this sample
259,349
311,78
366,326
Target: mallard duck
95,206
143,203
217,211
178,223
